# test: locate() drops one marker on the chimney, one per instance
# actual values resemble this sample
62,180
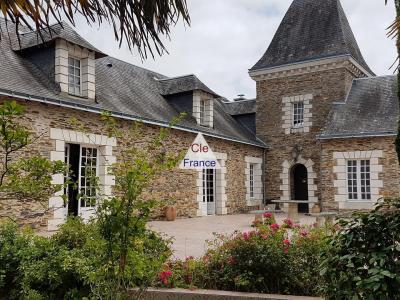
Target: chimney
240,97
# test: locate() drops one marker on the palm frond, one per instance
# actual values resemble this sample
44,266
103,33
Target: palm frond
140,23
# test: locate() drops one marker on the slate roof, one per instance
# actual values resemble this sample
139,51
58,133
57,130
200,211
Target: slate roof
29,39
311,29
181,84
133,92
240,107
371,109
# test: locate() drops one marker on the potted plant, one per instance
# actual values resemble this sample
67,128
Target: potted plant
170,210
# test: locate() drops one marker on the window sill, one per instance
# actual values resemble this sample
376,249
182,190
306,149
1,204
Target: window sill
297,129
357,204
76,96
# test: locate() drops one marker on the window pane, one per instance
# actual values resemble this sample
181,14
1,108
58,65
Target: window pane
365,179
202,112
298,113
251,175
88,170
74,76
352,179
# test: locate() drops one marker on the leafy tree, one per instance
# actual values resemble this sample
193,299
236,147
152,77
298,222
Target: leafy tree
23,176
122,219
394,30
138,22
113,252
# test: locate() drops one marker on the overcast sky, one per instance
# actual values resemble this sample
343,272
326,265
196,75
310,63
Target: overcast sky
227,37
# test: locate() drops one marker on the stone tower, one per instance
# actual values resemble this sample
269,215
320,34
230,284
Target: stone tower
308,66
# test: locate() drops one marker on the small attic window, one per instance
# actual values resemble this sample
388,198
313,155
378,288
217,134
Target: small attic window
74,76
202,112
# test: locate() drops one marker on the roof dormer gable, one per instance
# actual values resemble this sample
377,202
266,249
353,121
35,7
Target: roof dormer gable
64,56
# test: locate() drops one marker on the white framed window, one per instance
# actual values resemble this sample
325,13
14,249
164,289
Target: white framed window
251,180
74,76
202,112
359,179
298,114
88,171
209,183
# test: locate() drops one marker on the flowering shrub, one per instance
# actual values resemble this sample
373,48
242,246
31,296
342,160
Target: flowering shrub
270,259
267,219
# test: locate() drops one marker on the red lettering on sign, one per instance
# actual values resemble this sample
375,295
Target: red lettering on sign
199,148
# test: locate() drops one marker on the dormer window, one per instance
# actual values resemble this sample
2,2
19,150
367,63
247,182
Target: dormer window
75,69
203,108
202,112
74,76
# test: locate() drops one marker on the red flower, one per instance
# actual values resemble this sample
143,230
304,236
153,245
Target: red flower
164,276
286,244
246,236
231,260
267,215
189,258
205,259
289,223
274,226
303,233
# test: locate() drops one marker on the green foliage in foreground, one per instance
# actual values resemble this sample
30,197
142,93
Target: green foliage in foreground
364,260
72,264
24,173
271,259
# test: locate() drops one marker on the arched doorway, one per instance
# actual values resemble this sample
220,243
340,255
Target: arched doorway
300,186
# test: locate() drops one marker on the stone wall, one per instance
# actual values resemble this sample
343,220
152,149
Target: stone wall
182,294
388,173
177,184
322,88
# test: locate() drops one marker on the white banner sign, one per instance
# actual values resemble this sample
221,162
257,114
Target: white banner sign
199,156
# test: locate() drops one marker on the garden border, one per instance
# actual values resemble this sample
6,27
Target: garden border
183,294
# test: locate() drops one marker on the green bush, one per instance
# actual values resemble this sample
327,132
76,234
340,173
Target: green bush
72,264
271,259
364,258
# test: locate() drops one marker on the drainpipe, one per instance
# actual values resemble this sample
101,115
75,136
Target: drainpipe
320,174
263,176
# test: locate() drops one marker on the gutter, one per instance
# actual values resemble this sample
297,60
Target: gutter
87,108
359,135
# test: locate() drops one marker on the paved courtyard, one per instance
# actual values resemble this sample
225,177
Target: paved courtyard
190,235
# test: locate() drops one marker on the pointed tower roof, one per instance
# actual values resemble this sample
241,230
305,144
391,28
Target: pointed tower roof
312,29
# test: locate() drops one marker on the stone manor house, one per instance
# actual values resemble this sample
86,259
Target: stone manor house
321,130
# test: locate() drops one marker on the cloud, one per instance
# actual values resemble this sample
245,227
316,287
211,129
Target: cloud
227,37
